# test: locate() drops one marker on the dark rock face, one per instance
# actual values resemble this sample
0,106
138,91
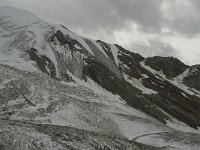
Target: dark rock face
43,62
105,78
170,66
135,56
66,40
193,78
130,62
169,98
61,37
107,62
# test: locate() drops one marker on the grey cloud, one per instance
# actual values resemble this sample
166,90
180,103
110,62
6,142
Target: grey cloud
92,15
189,26
95,14
110,15
114,14
156,48
187,21
144,12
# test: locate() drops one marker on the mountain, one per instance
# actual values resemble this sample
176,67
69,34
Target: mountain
59,90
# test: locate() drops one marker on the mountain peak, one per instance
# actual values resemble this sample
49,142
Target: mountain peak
170,66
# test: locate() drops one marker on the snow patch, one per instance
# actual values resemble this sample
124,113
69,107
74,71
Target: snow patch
177,81
13,59
138,84
115,52
99,47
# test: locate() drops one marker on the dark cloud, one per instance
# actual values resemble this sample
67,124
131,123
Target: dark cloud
93,15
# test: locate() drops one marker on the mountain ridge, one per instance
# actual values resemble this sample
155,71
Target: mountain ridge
50,75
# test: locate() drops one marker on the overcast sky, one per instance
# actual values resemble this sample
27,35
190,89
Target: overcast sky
150,27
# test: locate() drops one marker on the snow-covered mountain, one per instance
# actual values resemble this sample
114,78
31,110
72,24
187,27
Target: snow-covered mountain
59,90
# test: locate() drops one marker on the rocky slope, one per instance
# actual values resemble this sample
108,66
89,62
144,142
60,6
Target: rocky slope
59,90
